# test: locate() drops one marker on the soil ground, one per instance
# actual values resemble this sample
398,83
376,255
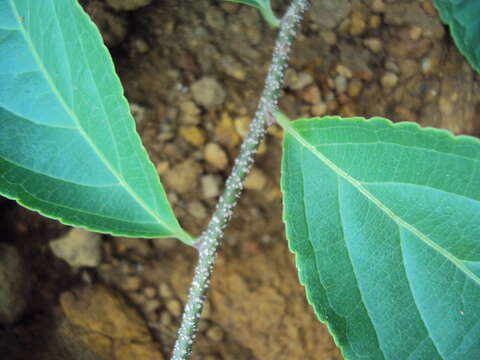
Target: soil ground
355,58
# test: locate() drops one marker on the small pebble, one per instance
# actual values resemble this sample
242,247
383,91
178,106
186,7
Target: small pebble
165,244
215,156
132,283
207,310
225,132
197,210
374,22
174,307
151,305
445,106
215,333
162,167
242,125
391,66
357,25
354,88
319,109
340,84
140,45
189,113
297,81
348,110
373,44
389,80
138,112
332,105
172,197
189,107
137,298
183,177
193,135
344,71
415,32
256,180
165,319
311,94
330,37
208,92
210,186
78,247
378,6
427,66
215,18
262,148
235,70
150,292
165,290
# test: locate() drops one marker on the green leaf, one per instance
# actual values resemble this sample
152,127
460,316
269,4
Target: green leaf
384,221
265,9
463,18
68,146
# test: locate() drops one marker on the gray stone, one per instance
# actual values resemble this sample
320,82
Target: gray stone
138,112
183,177
197,210
297,81
340,84
328,13
14,284
215,333
215,18
216,156
413,14
208,92
211,186
78,248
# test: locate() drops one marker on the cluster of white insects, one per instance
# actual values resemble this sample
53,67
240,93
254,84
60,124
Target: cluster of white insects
208,242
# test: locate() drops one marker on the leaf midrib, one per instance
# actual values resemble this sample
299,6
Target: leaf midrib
70,111
286,124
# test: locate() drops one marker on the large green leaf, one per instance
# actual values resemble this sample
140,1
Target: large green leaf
463,18
264,7
385,223
68,146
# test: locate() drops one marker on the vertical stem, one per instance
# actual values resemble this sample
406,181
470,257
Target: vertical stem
209,240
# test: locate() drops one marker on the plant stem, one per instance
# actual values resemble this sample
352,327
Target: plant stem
209,240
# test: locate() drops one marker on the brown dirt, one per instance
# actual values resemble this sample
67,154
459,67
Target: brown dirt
396,62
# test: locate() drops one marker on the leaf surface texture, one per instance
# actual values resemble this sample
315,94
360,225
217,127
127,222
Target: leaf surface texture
68,145
384,221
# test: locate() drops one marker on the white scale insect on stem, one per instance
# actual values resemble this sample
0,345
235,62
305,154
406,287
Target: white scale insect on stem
208,242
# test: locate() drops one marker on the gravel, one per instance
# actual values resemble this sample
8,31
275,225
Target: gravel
15,280
78,247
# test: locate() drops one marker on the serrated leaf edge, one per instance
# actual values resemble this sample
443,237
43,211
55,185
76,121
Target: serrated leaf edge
179,232
285,123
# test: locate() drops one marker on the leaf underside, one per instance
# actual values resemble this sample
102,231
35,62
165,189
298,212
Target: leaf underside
463,18
68,145
384,221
